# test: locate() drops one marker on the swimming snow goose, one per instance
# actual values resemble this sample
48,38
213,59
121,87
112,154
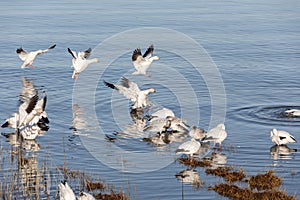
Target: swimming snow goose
217,135
142,62
131,91
292,113
281,137
80,61
189,147
29,57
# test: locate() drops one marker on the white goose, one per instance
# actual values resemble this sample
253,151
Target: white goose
217,135
281,137
190,147
142,62
65,191
11,122
29,57
293,113
28,110
162,114
80,61
197,133
85,196
131,90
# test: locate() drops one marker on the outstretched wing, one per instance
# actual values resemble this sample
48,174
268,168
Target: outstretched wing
136,53
73,53
128,88
52,47
149,52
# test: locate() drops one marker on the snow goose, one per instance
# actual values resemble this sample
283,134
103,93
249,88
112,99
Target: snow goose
177,124
85,196
158,125
217,135
29,57
197,133
35,107
11,122
142,62
162,113
292,113
66,193
131,90
280,137
189,147
80,61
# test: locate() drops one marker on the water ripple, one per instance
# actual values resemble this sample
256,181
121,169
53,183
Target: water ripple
266,115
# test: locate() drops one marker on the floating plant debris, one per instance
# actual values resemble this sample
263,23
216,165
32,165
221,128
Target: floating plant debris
233,191
94,185
194,162
112,196
264,181
226,173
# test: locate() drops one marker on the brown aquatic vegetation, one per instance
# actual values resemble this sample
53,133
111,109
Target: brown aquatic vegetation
112,196
194,162
233,191
94,185
264,181
226,173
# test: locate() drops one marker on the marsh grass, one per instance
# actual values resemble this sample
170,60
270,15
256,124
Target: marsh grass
24,176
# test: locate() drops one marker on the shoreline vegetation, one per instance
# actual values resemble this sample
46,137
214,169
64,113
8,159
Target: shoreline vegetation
239,186
26,176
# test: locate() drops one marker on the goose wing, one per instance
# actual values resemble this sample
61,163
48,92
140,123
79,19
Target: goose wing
128,88
149,52
73,53
136,54
86,54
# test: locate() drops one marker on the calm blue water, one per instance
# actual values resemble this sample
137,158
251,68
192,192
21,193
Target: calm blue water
254,44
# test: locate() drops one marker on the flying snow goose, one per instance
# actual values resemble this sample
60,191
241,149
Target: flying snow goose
80,61
35,107
29,57
189,147
217,135
142,62
280,137
292,113
65,191
131,91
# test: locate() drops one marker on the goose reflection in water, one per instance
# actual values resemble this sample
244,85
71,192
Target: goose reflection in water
189,176
216,160
282,152
79,123
28,90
